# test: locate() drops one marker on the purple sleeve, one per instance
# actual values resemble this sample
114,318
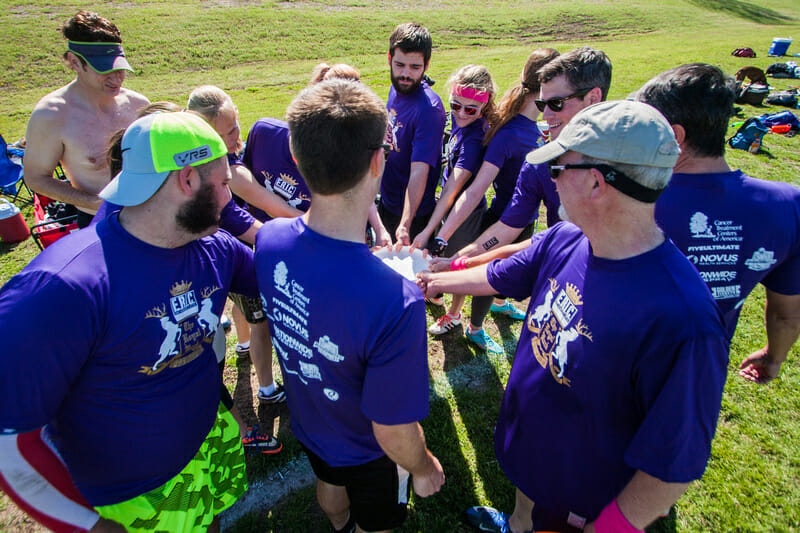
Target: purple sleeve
515,276
523,208
426,146
496,152
785,278
244,270
471,155
234,219
681,396
395,387
54,329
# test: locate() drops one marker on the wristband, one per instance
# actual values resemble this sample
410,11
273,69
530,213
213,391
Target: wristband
439,246
459,263
611,520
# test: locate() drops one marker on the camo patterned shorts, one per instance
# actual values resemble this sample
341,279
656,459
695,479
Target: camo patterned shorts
212,481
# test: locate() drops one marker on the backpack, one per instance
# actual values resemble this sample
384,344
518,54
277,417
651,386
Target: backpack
781,70
783,98
752,94
779,119
749,135
744,52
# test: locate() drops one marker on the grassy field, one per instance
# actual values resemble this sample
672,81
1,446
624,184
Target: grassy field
262,54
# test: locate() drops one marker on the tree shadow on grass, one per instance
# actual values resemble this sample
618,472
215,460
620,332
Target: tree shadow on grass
745,10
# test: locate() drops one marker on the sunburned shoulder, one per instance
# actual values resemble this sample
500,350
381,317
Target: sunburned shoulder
133,98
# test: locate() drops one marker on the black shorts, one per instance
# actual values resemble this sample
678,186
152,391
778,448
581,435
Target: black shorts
391,221
251,308
378,490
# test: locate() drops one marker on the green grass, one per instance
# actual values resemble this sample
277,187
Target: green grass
262,55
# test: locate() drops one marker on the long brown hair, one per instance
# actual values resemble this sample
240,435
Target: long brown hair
512,102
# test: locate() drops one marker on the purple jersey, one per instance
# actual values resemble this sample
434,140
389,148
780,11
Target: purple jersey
738,231
341,370
268,157
620,367
507,151
125,376
415,133
465,150
534,186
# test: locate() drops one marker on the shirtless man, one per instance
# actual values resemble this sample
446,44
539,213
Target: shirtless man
73,124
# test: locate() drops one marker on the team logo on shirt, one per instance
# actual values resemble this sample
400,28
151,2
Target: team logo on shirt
285,186
762,259
553,326
328,349
392,129
718,230
189,324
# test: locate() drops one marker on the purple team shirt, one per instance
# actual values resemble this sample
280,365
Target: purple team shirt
465,150
534,186
268,157
342,369
123,373
507,151
620,367
738,231
415,133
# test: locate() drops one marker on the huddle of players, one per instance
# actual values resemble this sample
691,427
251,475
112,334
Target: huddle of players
629,406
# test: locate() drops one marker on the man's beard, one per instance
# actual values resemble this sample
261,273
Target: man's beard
402,90
199,213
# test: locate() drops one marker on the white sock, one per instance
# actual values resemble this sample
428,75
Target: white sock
269,389
243,345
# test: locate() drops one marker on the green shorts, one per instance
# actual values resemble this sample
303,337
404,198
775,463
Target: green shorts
212,481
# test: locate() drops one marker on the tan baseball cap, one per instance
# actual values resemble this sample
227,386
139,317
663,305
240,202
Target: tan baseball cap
632,133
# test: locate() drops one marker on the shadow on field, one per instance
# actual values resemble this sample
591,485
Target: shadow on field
745,10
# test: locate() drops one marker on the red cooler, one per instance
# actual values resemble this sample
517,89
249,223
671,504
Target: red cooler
12,225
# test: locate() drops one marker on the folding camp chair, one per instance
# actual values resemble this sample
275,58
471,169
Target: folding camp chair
46,231
11,182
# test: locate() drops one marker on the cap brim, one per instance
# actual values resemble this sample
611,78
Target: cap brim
548,152
104,65
129,188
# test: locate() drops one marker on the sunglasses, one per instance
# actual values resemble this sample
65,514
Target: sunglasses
469,110
387,149
557,104
616,179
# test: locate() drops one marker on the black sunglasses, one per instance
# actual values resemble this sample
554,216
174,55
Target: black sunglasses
616,179
387,148
468,109
557,104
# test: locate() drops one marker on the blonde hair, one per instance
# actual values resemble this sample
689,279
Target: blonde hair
342,71
477,77
208,100
512,102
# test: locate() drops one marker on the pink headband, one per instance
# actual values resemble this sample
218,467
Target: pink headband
472,94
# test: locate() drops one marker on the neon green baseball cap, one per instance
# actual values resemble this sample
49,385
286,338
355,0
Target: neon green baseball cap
155,145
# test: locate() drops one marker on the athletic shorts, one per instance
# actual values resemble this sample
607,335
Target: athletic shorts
251,308
212,481
466,233
378,490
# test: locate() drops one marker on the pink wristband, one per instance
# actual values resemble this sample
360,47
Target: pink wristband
611,520
459,263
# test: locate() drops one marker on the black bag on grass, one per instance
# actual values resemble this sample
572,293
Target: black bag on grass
783,98
752,94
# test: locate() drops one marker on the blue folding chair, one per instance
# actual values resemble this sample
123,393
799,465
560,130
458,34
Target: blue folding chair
11,173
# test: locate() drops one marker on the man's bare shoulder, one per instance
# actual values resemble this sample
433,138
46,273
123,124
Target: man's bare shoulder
134,99
51,110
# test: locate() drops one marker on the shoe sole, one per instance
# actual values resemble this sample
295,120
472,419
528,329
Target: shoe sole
257,449
268,400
